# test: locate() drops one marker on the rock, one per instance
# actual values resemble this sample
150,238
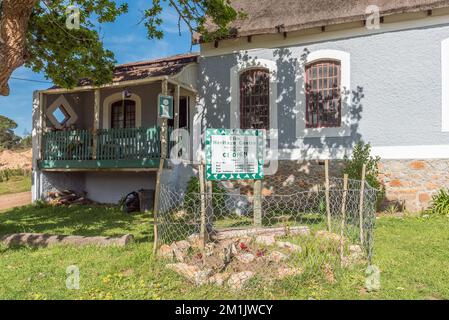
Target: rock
194,240
165,252
238,280
209,249
328,236
355,249
179,254
277,256
329,273
45,240
219,279
183,245
356,256
191,273
180,250
266,192
289,246
259,231
246,258
301,231
289,272
266,240
202,277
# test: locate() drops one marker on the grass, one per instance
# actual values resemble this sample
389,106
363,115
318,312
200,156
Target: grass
15,184
411,253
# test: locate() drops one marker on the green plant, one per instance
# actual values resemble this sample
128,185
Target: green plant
193,199
440,203
354,165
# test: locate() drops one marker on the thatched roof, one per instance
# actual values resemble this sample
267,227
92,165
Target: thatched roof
266,16
168,66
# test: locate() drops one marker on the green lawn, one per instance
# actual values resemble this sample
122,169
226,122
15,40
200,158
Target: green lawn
15,184
411,252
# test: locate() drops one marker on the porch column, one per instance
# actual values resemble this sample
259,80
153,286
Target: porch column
177,96
164,124
96,123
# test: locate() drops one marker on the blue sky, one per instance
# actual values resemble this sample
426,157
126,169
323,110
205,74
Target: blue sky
124,37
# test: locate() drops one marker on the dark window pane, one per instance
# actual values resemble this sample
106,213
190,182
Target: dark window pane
254,99
323,94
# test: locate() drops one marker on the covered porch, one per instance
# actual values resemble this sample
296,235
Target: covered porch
116,127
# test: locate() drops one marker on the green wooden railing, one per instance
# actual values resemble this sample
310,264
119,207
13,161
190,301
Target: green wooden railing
111,144
68,145
128,144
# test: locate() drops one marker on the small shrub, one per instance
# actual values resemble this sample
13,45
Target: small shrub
440,203
354,165
193,199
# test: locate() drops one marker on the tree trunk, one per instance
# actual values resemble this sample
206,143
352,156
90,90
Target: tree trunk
15,15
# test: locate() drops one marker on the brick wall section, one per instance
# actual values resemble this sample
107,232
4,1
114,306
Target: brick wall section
413,182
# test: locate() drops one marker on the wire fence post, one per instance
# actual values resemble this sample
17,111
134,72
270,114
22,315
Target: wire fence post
328,209
343,216
257,203
361,206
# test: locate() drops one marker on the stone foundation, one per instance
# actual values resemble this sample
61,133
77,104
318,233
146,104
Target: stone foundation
411,183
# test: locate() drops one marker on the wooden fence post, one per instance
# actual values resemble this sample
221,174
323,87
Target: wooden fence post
163,156
343,216
156,204
257,208
328,209
203,206
361,205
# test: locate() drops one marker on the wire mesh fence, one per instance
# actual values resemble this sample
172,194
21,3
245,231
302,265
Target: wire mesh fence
289,229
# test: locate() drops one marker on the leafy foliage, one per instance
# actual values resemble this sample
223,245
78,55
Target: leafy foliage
193,199
354,166
8,139
440,203
68,55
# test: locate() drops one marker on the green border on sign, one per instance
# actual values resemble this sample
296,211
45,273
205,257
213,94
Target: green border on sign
260,134
170,107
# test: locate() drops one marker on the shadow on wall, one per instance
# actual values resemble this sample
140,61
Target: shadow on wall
213,110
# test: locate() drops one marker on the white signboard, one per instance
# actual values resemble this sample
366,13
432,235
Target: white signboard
234,154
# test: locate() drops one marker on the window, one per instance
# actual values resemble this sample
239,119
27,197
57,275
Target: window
61,115
255,99
323,94
123,114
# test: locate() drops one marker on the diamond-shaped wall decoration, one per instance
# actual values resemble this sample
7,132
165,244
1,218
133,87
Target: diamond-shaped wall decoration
61,105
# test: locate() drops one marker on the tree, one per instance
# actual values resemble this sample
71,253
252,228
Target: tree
8,139
35,33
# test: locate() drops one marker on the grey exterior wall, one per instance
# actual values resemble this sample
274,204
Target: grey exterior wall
102,187
395,80
110,187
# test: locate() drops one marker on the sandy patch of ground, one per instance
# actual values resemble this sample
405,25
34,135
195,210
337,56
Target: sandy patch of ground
13,159
10,201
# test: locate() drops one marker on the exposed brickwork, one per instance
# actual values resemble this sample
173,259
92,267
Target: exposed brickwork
413,182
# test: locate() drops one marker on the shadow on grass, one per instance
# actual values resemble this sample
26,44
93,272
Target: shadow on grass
77,220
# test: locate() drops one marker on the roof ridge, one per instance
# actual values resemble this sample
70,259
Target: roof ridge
158,60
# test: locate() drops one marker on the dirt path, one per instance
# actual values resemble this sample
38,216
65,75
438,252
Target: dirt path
9,201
